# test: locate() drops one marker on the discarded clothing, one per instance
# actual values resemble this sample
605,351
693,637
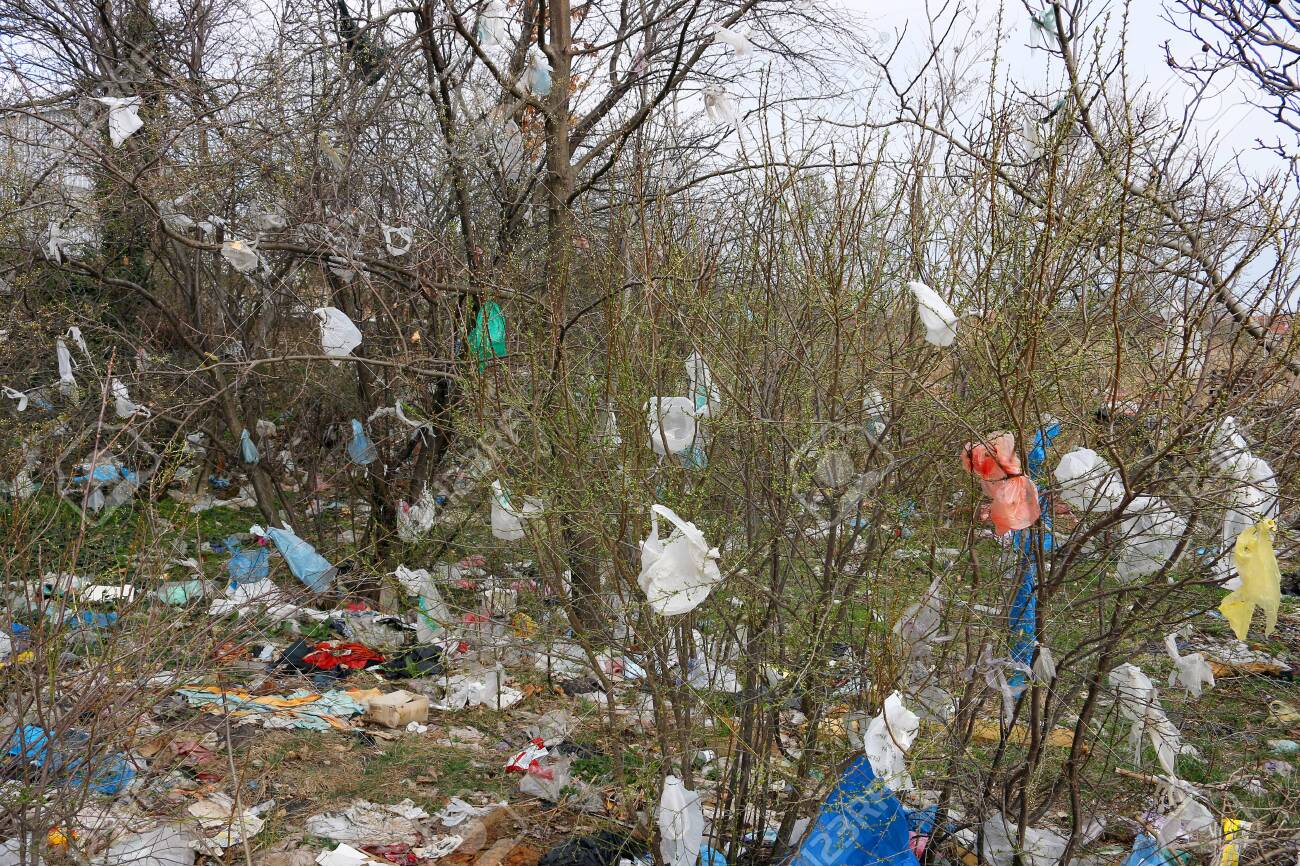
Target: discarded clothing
300,709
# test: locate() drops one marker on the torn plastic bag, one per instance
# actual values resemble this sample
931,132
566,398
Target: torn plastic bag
938,318
1151,532
1044,667
241,255
861,823
415,520
737,40
1085,480
678,574
306,564
1191,671
720,108
1042,28
247,450
507,523
165,844
67,382
681,824
361,450
270,221
122,404
546,779
673,425
434,615
1041,847
1261,581
338,334
397,239
74,334
888,737
248,565
492,29
1188,818
487,339
364,823
1139,703
123,117
19,397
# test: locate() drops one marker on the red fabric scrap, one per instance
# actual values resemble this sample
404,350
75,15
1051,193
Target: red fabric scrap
329,655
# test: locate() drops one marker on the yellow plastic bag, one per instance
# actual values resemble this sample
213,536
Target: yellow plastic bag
1261,580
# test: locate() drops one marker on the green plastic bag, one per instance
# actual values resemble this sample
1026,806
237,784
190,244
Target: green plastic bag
487,340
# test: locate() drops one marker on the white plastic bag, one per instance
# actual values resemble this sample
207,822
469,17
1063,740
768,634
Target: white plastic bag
1139,703
886,741
703,391
1151,532
492,27
338,334
537,77
123,117
938,318
415,520
397,239
720,108
242,255
20,397
681,824
1191,671
507,523
677,575
1086,480
672,422
737,39
67,382
122,401
74,334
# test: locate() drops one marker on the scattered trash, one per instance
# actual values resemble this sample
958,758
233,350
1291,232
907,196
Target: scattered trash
365,824
398,709
861,821
677,575
681,824
1261,580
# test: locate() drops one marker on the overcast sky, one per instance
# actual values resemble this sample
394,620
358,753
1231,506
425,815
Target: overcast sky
1227,118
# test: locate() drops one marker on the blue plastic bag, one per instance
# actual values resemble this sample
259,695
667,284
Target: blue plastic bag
306,564
247,566
360,449
247,450
861,823
1147,852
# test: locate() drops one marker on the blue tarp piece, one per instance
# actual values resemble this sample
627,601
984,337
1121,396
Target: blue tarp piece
32,744
1024,607
306,564
861,823
361,450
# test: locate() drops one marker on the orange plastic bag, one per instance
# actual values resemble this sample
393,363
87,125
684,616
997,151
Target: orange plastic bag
1013,495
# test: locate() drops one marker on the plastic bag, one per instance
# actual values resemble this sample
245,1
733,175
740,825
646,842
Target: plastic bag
938,318
122,401
672,424
492,30
306,564
248,565
1190,671
537,78
547,779
434,615
861,823
270,221
1014,497
414,521
67,382
20,397
720,108
1151,532
737,40
338,334
74,334
242,255
1139,703
507,523
397,239
681,824
247,450
1188,818
704,392
678,574
123,117
1085,480
1041,847
487,339
886,741
1261,580
361,450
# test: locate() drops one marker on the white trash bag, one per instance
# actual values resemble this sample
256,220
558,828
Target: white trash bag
678,574
339,335
887,740
241,255
1086,480
508,523
123,405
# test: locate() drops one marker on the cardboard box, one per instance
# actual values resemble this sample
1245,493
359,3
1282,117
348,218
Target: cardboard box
398,709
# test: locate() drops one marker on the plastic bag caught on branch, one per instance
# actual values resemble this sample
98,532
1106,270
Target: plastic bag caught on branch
1014,497
241,255
122,404
1151,532
737,39
1085,480
678,574
492,28
720,108
681,824
1139,703
67,382
361,450
397,239
1261,581
938,318
339,335
507,522
1191,671
123,117
888,738
304,562
247,450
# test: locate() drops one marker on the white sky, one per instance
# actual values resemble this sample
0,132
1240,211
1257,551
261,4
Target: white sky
1226,120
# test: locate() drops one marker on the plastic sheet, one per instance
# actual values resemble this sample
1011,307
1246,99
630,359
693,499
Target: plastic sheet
861,823
304,562
338,334
487,339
